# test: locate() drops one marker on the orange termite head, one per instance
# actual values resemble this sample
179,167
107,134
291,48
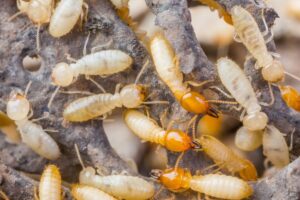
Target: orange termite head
18,106
62,75
175,179
196,103
273,73
178,141
132,95
249,172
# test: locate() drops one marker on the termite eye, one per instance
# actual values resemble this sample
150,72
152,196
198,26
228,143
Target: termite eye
256,121
18,107
62,75
194,102
273,73
156,173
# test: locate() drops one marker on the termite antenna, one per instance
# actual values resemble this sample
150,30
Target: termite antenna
97,84
292,75
222,91
78,156
223,102
178,160
155,102
38,45
141,71
52,97
85,44
27,88
271,95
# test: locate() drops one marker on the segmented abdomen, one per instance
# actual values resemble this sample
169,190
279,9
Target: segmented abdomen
38,140
166,66
236,82
144,127
123,187
50,184
221,186
102,63
83,192
87,108
249,33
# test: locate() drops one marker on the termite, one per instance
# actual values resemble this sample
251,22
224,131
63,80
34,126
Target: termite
250,35
290,96
169,71
146,129
32,134
275,148
224,157
208,125
119,186
214,185
38,11
216,6
101,63
236,82
65,16
8,127
248,140
50,184
83,192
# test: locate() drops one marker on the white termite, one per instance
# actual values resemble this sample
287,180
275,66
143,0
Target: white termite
65,16
248,140
236,82
275,147
84,192
32,134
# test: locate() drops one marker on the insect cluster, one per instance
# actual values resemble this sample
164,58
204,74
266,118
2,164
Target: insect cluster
92,185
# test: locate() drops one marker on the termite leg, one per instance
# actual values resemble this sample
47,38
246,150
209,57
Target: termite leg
179,160
191,122
38,45
141,71
79,156
275,54
70,58
35,193
102,46
196,84
77,92
237,38
237,108
46,115
14,16
52,97
51,130
84,51
266,31
30,113
210,167
292,140
242,115
97,84
157,193
222,91
27,88
272,98
163,117
292,75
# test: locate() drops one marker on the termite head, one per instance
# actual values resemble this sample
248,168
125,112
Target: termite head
255,121
273,73
17,107
132,95
86,174
194,102
38,12
249,172
175,179
62,75
178,141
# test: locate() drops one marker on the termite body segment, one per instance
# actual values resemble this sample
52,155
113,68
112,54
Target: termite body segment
120,186
32,134
169,71
224,157
148,130
83,192
275,147
214,185
101,63
39,11
248,140
249,33
65,16
86,108
291,97
236,82
50,184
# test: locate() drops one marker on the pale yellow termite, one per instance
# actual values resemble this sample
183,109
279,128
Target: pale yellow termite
248,140
236,82
105,62
249,33
8,127
50,184
224,157
65,16
146,129
275,148
214,185
38,11
32,134
83,192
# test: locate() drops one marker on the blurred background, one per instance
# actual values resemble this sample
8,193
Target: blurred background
216,38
